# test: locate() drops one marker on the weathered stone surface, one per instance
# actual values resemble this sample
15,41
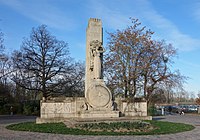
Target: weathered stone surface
134,108
98,96
64,109
99,114
94,33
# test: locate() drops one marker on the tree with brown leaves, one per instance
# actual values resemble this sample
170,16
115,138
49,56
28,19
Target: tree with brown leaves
122,62
198,99
136,63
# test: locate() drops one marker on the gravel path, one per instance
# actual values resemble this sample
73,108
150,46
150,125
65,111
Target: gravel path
17,135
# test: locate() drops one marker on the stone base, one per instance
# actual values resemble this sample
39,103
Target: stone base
55,110
72,121
82,115
99,114
48,120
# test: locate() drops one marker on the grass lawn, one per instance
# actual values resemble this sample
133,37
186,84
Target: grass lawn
117,128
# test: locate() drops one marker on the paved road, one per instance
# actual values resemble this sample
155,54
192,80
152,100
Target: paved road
16,135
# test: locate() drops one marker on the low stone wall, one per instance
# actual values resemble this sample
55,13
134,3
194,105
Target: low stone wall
131,108
59,110
67,108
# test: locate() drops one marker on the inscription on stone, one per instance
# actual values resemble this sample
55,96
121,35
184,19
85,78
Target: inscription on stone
53,108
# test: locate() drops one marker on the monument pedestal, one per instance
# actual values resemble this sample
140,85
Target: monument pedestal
99,114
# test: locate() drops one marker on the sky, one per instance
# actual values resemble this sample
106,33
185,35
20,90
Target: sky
175,21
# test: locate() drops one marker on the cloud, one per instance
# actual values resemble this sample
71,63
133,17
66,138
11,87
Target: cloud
42,12
111,17
116,16
196,10
189,64
169,31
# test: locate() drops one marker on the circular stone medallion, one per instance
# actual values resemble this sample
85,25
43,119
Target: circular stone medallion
98,96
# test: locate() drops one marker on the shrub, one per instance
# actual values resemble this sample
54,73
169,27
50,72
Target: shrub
152,111
27,110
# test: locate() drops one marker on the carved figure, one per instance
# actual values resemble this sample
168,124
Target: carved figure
96,53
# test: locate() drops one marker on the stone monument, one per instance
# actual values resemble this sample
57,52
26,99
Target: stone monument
98,96
96,92
97,103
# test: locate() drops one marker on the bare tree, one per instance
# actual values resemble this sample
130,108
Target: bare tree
5,69
42,61
74,81
5,64
158,96
1,40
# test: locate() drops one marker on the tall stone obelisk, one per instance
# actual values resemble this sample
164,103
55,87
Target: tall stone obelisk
94,32
98,96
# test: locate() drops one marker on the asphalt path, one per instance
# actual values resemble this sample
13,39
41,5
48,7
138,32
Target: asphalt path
19,135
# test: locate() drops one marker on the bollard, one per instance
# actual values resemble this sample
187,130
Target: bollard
163,111
11,110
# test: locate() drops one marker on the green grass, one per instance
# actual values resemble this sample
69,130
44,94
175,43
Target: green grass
88,129
169,127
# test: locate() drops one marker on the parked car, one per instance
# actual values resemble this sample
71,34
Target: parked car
193,108
172,109
189,108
